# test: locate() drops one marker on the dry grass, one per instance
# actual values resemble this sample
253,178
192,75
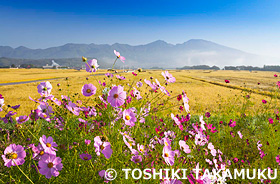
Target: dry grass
203,96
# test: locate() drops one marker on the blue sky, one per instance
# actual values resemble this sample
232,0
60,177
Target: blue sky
249,25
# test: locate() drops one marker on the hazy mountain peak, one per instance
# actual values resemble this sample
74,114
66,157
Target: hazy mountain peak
158,53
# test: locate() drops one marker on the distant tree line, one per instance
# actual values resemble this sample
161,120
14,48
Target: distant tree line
275,68
199,67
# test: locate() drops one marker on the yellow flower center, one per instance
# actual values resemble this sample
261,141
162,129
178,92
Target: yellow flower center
88,90
45,89
86,158
166,155
116,95
14,156
142,150
21,120
137,160
41,153
48,145
50,165
127,117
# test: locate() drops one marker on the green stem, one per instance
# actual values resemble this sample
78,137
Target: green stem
23,173
114,63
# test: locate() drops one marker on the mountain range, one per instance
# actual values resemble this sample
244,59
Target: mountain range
156,54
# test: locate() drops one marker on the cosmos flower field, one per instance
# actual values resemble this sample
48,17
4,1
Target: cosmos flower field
126,122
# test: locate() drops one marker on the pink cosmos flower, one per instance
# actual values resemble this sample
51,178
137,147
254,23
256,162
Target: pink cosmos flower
136,159
240,135
44,88
14,155
270,120
227,81
202,125
105,175
85,156
186,102
8,117
91,66
22,119
177,121
39,151
49,165
87,142
232,123
15,107
278,159
119,56
45,108
278,84
264,101
212,149
88,90
1,102
48,144
171,181
142,149
139,84
103,147
200,140
184,146
128,140
109,75
153,86
275,75
168,155
116,96
168,77
162,88
136,94
73,108
120,77
129,117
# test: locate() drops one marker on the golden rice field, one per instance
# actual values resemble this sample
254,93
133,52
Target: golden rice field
214,97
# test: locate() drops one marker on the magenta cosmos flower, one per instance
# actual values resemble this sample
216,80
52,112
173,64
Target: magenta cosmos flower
129,117
49,165
44,88
14,155
22,119
103,147
48,144
168,155
91,66
116,96
226,81
85,156
136,159
119,56
168,77
88,90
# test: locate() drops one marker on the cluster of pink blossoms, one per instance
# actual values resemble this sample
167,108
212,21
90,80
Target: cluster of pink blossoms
49,165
